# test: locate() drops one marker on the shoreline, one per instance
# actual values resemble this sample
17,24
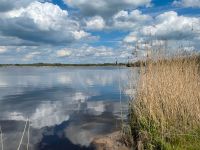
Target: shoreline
64,65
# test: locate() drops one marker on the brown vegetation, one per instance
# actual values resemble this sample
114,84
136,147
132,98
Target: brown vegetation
165,113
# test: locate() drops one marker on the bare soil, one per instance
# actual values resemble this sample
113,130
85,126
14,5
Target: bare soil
112,141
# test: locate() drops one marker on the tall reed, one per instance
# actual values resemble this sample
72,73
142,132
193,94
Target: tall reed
165,113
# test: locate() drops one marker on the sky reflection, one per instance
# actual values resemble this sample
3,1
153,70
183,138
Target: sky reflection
80,102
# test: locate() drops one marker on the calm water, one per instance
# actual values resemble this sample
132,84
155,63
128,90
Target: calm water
67,106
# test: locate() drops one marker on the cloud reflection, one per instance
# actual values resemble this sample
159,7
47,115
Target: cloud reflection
86,98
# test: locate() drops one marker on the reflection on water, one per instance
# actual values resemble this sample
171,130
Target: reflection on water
67,106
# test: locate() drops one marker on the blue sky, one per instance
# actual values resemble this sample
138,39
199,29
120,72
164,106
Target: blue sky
95,31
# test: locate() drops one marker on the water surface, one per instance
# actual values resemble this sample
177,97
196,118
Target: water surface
67,106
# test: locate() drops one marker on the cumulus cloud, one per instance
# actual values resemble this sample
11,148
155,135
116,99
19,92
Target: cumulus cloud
45,15
41,23
80,34
6,5
121,20
166,31
187,3
130,20
131,38
64,53
104,7
95,23
171,26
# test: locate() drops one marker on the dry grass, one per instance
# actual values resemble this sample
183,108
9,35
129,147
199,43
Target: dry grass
165,113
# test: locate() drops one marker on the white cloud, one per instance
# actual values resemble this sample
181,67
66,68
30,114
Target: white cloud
187,3
131,38
6,5
41,23
105,7
130,20
93,54
80,34
100,51
31,55
3,49
170,26
121,20
46,16
64,53
95,23
80,51
167,30
134,15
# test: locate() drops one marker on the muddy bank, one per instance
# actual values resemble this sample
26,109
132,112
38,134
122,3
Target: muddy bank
113,141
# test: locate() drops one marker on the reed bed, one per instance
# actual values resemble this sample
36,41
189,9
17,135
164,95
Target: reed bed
165,112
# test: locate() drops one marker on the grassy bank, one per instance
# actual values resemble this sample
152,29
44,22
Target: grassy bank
165,113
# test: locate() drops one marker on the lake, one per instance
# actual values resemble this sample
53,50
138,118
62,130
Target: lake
67,106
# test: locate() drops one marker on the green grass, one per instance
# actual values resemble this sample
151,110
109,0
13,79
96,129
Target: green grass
152,138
